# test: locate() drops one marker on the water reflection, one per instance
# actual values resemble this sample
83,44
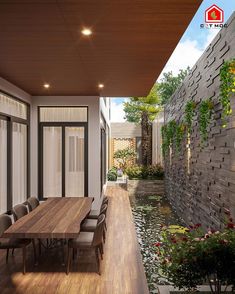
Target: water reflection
150,213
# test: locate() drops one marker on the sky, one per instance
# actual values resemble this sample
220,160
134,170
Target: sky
190,47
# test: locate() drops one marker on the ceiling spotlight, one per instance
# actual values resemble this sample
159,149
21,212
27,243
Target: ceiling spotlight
101,86
86,31
47,86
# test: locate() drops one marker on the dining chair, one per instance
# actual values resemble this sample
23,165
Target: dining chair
88,240
94,214
19,211
10,243
32,202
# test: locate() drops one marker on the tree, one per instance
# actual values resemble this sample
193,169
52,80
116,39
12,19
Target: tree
170,83
144,110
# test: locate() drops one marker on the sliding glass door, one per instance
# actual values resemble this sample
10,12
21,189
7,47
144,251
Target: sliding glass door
63,149
52,161
3,166
74,161
19,163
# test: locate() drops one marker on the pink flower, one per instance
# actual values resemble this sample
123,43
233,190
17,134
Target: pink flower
202,239
196,239
207,236
230,225
158,244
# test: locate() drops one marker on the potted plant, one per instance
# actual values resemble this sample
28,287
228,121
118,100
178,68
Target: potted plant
192,257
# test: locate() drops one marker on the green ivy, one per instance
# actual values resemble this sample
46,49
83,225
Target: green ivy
172,133
205,113
227,87
189,114
179,135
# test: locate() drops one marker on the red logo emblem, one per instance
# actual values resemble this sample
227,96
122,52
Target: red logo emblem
214,14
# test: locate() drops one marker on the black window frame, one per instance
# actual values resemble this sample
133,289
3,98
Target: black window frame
10,119
63,125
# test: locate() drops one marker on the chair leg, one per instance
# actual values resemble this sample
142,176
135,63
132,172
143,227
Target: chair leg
34,252
39,247
24,259
97,260
12,253
68,259
62,249
101,250
7,255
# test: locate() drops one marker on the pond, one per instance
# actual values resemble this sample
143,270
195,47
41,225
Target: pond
150,213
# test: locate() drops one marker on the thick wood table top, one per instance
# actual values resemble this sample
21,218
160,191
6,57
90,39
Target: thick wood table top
55,218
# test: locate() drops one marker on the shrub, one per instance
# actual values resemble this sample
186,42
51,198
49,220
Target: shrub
112,174
156,171
145,172
191,258
124,157
134,172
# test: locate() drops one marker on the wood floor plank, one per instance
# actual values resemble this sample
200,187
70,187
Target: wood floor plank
122,270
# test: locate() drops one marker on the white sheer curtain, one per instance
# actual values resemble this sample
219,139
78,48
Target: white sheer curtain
13,107
19,163
52,161
74,162
3,166
63,114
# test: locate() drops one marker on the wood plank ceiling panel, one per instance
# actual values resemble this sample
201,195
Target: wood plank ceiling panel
132,40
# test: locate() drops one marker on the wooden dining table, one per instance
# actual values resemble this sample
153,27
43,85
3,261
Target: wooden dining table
55,218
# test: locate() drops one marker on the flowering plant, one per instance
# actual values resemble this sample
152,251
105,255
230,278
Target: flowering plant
193,257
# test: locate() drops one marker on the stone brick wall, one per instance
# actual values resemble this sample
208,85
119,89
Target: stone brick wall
145,187
200,182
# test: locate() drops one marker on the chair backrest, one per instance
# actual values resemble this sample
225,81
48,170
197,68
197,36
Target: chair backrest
105,200
5,223
98,233
103,209
32,202
19,211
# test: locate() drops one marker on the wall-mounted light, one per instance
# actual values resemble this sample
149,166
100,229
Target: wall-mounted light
101,86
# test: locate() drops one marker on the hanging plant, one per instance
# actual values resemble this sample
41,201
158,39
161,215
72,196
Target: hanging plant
205,113
165,144
172,133
189,114
179,135
227,87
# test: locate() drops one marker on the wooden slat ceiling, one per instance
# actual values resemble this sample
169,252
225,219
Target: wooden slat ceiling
40,41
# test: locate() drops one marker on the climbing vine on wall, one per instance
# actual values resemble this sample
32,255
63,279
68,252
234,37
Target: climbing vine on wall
227,87
189,114
205,114
174,132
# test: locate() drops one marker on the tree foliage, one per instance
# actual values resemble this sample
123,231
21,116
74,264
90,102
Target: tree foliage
169,84
136,106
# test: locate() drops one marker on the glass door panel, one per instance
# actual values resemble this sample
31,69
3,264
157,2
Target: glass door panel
52,162
74,161
19,163
3,166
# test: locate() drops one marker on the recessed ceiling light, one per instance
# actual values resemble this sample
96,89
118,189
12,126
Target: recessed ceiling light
47,86
86,31
101,86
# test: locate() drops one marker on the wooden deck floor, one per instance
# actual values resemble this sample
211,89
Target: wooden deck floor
122,269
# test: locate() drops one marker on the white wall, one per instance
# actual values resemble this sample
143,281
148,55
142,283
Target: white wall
93,104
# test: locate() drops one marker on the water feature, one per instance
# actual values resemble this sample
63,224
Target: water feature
150,213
